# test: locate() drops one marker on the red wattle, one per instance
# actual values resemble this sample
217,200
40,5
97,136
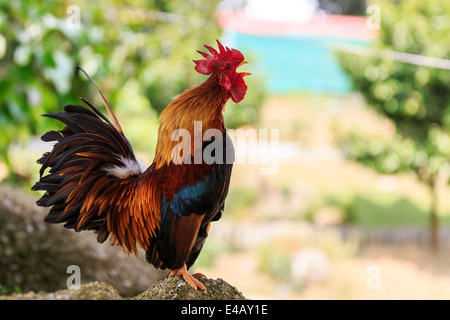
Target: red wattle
238,89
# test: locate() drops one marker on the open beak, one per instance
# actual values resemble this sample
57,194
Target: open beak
244,73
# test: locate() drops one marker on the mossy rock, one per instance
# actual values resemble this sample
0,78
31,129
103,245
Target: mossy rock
90,291
174,288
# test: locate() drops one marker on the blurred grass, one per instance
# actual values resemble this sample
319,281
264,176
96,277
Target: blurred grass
275,261
211,251
384,210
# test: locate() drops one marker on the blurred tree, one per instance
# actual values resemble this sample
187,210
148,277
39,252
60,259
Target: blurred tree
415,98
139,52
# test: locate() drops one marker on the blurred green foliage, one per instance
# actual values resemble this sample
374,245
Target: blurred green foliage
139,53
275,261
240,199
415,98
211,253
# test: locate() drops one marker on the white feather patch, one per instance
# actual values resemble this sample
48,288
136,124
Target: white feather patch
129,168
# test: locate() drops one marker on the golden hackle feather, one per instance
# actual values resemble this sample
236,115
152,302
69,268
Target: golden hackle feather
203,103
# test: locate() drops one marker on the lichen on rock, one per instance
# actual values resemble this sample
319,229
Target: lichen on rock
176,288
90,291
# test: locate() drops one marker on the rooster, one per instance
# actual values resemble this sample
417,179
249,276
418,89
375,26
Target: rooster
94,181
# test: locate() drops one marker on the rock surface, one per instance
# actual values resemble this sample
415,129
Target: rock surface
168,289
176,288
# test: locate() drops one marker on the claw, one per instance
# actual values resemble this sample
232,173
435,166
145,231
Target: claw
194,283
199,275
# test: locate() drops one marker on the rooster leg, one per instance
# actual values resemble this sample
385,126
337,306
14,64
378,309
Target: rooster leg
194,283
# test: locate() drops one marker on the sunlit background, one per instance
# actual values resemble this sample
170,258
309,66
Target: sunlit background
359,207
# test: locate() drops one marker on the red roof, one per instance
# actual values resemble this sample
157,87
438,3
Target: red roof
354,27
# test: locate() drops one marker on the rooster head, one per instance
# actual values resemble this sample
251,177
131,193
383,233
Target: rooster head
223,65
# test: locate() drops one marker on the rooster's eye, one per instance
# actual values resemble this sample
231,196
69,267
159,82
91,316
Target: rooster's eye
228,67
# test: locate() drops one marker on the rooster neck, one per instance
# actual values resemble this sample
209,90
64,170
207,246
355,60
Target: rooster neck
206,102
203,104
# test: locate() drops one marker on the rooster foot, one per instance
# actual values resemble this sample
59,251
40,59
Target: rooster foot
194,283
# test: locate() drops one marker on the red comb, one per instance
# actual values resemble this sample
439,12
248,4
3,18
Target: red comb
206,66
